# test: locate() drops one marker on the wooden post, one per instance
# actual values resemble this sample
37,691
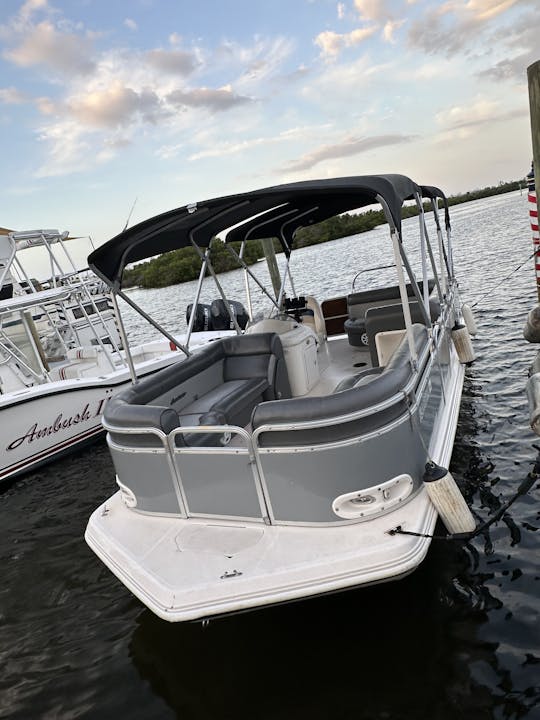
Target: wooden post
273,269
533,76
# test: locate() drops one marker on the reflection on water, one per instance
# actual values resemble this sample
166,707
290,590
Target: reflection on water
458,639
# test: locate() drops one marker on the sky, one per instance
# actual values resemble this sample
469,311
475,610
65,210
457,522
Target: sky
112,109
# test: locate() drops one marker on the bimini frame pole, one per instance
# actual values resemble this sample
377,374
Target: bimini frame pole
123,335
442,259
396,242
450,250
423,253
205,257
287,270
252,275
246,281
197,295
152,322
427,246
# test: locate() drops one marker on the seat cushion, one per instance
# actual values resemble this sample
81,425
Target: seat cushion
356,331
233,399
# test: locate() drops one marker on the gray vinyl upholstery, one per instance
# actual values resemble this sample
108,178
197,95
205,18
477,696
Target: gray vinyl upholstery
390,317
361,378
389,382
359,302
219,385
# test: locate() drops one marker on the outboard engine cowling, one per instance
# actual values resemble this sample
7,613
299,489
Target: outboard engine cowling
221,319
203,318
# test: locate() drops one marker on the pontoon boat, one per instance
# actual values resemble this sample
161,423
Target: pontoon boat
276,464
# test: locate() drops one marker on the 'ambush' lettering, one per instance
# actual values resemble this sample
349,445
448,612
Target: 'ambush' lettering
60,423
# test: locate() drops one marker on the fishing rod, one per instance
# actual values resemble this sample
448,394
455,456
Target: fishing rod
129,215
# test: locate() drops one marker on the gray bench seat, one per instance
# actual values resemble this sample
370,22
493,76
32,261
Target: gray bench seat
233,400
219,385
358,304
387,383
390,317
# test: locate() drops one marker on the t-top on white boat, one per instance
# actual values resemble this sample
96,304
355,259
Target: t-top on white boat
269,467
61,352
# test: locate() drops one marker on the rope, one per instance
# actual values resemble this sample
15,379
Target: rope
524,488
535,252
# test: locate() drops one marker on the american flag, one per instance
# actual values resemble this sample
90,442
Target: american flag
533,215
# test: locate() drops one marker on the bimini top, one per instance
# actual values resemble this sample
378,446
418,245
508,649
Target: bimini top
271,212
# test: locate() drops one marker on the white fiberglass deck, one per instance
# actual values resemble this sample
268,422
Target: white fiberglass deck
187,570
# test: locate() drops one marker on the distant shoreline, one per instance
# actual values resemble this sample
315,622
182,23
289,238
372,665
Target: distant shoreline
184,265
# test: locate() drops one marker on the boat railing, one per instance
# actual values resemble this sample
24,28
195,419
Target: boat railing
225,471
69,316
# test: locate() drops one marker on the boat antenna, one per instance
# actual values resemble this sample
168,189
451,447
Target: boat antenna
129,214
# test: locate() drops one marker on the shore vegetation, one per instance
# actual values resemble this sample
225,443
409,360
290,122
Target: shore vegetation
183,265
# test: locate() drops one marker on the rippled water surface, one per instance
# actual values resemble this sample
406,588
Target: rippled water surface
460,638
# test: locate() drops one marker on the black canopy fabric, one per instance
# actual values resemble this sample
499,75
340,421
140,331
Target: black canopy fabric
435,193
271,212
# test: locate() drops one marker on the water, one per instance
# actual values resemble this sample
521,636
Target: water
458,639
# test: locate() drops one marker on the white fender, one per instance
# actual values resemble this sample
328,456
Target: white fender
531,331
533,396
468,319
448,500
463,344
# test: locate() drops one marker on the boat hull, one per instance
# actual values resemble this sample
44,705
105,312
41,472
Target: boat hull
44,422
196,568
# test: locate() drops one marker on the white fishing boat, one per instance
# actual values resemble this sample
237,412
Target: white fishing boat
291,459
61,352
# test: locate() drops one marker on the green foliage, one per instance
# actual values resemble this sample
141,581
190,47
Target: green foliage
185,264
502,187
182,265
337,227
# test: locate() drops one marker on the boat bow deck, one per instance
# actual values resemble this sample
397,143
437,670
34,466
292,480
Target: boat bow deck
192,569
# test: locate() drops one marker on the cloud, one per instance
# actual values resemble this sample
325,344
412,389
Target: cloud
45,45
451,27
22,19
45,105
214,100
389,28
335,86
166,152
220,149
103,99
115,106
175,62
255,63
12,96
67,150
348,147
511,68
460,116
519,46
482,10
377,15
374,10
461,121
332,43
